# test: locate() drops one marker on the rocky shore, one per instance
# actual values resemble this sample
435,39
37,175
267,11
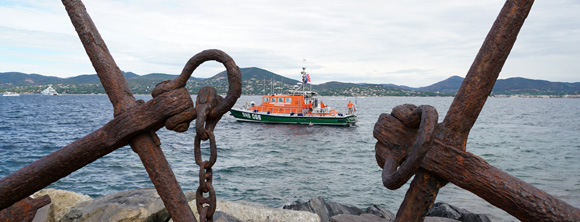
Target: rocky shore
145,205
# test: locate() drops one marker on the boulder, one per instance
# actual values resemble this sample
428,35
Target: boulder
228,211
375,218
441,209
327,209
247,211
358,218
61,203
140,205
380,212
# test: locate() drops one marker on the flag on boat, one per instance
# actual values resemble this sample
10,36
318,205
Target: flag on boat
307,78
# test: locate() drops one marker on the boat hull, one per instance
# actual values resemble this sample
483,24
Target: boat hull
249,116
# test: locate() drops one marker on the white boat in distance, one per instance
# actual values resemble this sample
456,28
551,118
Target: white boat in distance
10,94
49,91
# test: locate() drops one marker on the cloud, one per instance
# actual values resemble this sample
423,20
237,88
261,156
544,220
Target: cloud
375,41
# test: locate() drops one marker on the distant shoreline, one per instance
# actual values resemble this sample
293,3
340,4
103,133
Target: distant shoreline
493,96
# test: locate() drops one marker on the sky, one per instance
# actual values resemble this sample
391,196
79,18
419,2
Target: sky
414,43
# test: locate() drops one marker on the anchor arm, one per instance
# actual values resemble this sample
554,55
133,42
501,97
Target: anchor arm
122,98
445,162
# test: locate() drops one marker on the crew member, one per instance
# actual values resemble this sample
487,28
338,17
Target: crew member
349,105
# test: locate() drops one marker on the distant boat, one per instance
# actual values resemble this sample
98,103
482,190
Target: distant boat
10,94
49,91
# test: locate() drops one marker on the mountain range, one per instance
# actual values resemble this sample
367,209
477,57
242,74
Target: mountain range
257,81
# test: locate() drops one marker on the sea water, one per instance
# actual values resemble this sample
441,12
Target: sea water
536,140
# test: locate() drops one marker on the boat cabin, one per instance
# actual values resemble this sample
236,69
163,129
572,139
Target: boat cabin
292,103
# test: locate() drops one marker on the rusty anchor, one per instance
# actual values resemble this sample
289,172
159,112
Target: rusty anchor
134,123
436,156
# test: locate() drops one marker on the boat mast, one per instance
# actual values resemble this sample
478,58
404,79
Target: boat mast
304,81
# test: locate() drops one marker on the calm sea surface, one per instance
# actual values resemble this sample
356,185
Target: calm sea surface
536,140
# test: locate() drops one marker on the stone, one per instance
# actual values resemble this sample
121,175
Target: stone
332,211
441,209
219,216
327,209
228,211
381,212
358,218
444,210
247,211
138,205
439,219
375,218
43,214
61,203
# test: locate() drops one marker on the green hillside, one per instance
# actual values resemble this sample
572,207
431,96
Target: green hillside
257,81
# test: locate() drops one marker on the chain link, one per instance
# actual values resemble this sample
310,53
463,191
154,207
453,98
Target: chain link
205,205
209,109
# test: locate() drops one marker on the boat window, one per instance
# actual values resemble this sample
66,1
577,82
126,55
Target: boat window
288,100
273,100
265,100
280,100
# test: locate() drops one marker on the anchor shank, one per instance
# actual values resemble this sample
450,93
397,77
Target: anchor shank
122,99
482,75
109,73
472,95
162,176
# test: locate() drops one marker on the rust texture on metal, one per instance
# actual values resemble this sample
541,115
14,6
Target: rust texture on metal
135,123
397,172
209,109
445,160
113,135
24,210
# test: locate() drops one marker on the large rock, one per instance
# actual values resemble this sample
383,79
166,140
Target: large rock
332,211
375,218
328,209
61,203
228,211
380,212
247,211
134,205
358,218
441,209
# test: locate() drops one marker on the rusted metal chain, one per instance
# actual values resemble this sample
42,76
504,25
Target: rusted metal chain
207,99
209,109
